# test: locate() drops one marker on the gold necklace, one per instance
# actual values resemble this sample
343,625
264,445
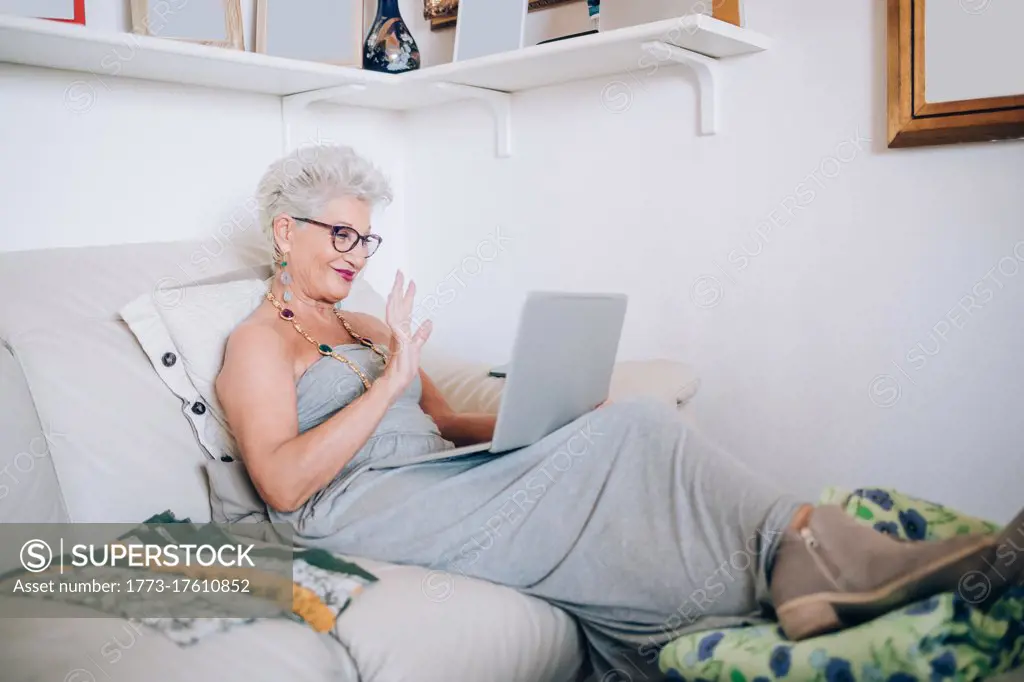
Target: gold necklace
289,316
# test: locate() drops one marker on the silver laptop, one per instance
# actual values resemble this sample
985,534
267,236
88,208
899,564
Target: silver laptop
561,366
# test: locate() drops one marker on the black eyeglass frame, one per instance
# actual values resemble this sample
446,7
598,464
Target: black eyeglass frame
363,239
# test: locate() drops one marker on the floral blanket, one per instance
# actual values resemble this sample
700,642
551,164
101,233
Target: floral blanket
322,585
941,638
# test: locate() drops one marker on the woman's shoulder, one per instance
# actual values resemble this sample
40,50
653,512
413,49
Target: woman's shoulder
256,333
253,343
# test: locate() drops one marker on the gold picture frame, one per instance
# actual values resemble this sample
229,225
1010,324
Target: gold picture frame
913,121
147,21
442,13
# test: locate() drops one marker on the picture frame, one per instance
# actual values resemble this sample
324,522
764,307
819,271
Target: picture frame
310,30
487,27
213,22
444,13
913,119
51,10
730,11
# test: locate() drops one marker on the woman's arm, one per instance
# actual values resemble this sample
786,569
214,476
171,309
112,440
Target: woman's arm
461,428
256,387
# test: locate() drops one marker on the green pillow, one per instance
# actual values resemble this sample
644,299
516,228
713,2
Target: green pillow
903,516
939,638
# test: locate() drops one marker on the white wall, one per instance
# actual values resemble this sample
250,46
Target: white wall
102,160
124,168
127,161
611,188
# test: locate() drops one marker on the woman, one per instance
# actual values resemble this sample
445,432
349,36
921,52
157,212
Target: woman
624,518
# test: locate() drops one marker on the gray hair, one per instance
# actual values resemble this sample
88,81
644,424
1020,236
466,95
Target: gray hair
304,181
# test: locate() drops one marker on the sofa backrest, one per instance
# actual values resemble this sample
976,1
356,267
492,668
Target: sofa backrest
90,433
88,430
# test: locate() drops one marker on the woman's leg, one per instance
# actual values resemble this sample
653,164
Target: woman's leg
739,548
687,544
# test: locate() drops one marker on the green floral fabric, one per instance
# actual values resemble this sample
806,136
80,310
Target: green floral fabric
329,583
940,638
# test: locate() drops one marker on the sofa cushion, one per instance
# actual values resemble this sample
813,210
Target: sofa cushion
124,445
124,448
29,492
184,330
468,388
91,649
183,333
94,282
452,623
413,624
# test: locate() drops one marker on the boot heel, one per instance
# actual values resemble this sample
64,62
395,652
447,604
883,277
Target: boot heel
809,620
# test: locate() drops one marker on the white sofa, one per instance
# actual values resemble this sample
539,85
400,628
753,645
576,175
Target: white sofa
91,434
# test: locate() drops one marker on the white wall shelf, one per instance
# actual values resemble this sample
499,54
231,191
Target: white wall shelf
703,67
696,41
102,54
597,54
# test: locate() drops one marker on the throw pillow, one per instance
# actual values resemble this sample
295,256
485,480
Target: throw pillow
184,330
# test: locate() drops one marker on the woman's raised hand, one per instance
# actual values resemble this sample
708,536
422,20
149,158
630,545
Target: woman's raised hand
405,345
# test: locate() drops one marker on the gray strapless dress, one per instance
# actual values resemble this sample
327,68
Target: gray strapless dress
626,519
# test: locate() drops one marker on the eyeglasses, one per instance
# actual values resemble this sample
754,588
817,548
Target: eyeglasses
346,238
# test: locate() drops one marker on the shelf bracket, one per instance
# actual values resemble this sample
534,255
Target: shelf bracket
294,106
706,70
501,108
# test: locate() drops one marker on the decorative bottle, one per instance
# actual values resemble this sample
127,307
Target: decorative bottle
389,46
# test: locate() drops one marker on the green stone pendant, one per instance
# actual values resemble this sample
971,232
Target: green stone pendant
324,349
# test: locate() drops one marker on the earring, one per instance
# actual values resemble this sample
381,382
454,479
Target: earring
286,280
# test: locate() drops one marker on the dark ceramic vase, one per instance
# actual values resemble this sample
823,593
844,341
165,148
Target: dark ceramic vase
389,46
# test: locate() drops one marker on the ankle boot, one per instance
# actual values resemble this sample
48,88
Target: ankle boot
1006,568
836,572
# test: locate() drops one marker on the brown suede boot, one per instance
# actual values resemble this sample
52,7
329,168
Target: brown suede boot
836,572
1007,568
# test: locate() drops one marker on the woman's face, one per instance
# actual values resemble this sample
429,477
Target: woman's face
319,271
